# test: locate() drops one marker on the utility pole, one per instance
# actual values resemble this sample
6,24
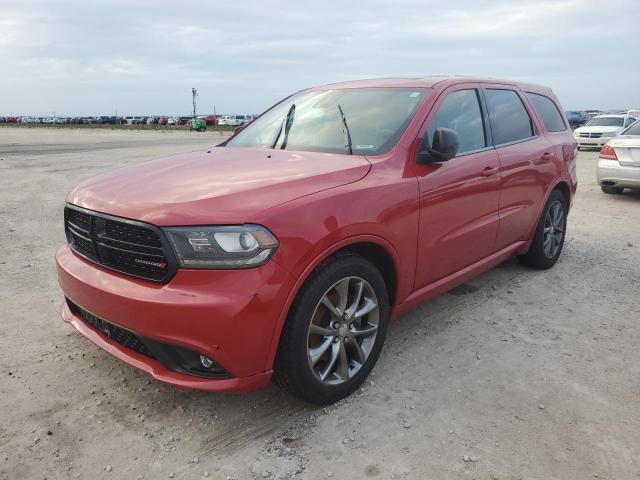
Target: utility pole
194,94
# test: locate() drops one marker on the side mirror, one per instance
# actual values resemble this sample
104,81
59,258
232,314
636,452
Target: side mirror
445,146
238,129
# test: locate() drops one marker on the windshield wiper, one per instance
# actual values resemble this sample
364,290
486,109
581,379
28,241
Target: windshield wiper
346,131
288,121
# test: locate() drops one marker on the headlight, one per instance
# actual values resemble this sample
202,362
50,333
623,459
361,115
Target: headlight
222,247
610,134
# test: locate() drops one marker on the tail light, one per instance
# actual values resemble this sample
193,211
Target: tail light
608,153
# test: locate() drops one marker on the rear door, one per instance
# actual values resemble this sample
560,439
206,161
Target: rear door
528,162
459,198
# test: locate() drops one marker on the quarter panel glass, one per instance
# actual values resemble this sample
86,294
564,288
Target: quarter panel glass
548,111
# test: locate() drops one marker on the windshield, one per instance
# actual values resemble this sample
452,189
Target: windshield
605,122
374,120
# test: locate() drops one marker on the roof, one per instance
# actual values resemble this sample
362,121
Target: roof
428,82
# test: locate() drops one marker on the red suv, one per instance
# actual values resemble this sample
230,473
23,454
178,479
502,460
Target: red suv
289,248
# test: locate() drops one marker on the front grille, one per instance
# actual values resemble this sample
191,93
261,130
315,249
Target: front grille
121,335
590,135
120,244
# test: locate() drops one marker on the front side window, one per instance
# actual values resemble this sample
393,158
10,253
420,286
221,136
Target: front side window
461,112
508,116
548,112
375,120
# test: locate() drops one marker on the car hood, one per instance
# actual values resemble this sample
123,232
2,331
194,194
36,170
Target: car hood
597,129
223,185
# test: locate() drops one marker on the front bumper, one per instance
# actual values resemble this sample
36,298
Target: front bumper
229,316
611,173
591,142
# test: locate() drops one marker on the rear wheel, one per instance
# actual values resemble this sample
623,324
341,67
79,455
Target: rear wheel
548,238
334,331
611,189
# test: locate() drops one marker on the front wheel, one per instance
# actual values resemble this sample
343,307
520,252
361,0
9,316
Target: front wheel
548,238
334,331
611,190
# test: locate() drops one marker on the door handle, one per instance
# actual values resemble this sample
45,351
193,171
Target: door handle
488,171
546,156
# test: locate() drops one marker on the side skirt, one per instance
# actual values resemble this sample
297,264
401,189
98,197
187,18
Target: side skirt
455,279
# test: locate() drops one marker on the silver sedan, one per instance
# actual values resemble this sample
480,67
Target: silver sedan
619,162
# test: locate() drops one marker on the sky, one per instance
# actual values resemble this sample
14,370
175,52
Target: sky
142,57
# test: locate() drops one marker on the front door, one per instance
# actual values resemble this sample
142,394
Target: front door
459,198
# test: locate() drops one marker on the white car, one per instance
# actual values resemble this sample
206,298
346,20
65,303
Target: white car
232,120
619,162
600,129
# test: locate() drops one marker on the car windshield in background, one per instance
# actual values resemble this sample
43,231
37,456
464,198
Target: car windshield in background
374,120
633,129
605,122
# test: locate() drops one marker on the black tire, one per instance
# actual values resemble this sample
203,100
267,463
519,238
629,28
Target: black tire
611,190
293,371
539,255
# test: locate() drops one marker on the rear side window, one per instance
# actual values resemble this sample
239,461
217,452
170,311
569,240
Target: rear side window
633,129
509,119
460,111
548,112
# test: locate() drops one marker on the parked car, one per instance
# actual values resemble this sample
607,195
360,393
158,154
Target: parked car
171,121
162,120
289,248
209,119
600,129
577,119
232,120
619,162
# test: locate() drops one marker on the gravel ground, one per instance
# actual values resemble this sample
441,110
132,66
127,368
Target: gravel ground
518,374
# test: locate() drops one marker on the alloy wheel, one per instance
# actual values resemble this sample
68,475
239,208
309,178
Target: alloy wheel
553,229
343,330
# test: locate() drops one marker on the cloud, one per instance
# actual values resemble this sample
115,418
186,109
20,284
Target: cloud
143,57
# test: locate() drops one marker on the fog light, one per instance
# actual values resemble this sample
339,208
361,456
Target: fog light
206,361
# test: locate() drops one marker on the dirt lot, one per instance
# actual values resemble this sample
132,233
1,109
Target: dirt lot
519,374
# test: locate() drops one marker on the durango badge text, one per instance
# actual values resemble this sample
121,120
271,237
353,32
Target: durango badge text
160,265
